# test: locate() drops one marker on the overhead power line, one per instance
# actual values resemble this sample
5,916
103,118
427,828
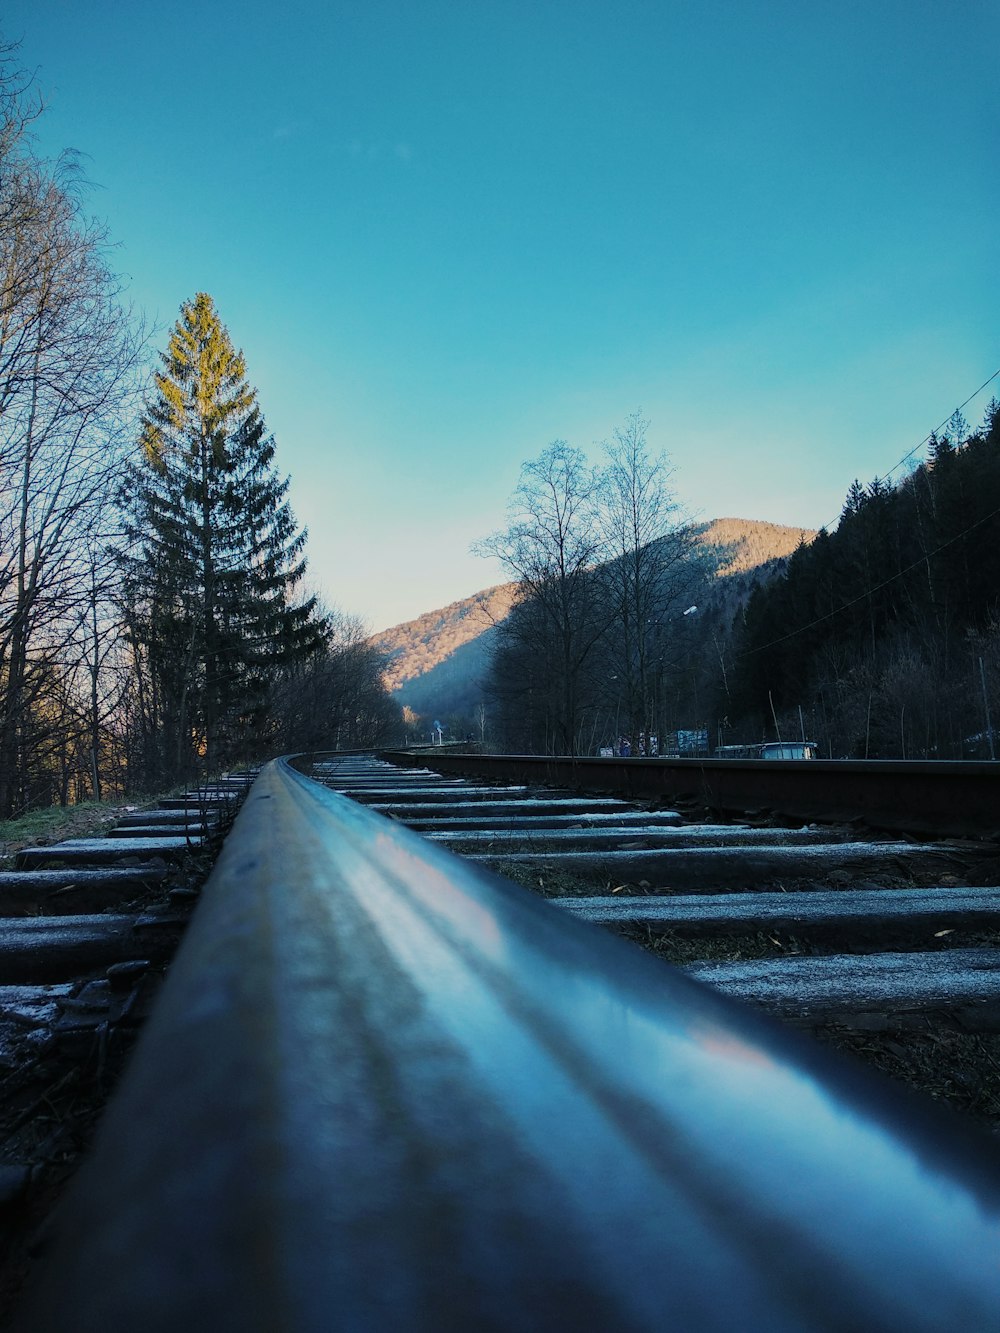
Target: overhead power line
929,436
869,592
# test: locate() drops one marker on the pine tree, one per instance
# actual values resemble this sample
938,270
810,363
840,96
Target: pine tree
214,555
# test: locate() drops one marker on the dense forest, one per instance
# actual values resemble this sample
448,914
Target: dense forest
879,639
886,631
152,624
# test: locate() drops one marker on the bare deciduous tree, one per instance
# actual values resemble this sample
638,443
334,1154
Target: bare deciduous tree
67,355
646,571
550,546
603,567
336,699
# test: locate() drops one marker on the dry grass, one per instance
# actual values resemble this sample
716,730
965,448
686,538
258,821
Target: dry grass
56,822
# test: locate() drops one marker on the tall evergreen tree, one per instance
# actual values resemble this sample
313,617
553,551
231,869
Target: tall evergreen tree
215,554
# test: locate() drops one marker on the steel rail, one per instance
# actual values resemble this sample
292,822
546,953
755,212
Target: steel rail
383,1089
917,796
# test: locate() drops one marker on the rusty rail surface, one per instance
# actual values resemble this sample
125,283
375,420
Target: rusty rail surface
918,796
384,1089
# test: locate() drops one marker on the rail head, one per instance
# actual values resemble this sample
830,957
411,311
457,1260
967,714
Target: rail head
385,1089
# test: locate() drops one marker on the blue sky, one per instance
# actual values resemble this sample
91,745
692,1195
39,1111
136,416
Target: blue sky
448,233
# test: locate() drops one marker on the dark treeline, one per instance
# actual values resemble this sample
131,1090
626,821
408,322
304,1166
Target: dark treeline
152,624
880,639
885,632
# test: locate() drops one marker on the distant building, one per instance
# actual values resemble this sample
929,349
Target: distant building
789,750
771,750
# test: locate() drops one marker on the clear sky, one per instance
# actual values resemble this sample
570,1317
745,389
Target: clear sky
448,233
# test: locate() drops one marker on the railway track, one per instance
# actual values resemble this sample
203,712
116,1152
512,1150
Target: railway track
886,946
87,929
856,931
383,1088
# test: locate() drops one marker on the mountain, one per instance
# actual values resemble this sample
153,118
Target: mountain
436,664
745,544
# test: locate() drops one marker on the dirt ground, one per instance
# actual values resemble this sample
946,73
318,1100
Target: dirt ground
50,1105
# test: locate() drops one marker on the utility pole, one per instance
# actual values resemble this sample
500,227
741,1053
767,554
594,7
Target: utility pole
986,707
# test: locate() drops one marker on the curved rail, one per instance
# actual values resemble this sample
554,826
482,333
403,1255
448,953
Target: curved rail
383,1089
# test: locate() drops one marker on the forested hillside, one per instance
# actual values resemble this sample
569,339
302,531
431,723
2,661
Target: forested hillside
418,646
885,632
438,664
744,545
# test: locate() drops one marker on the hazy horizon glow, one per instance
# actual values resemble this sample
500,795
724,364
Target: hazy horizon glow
445,235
